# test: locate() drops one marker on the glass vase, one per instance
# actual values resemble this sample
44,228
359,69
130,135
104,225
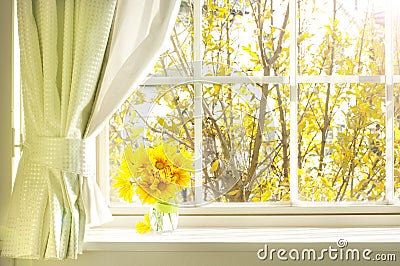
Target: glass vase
163,217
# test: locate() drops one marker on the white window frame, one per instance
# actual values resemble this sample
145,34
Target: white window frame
277,214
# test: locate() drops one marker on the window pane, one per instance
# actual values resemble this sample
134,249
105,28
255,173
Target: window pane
151,116
244,35
177,60
341,127
342,142
245,142
397,140
396,40
341,37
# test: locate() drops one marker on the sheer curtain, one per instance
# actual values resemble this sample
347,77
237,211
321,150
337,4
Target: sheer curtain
70,87
140,30
148,24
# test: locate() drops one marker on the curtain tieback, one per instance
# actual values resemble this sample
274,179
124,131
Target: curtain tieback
60,153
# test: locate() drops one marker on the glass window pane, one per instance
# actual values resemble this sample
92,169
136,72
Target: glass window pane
341,127
246,142
397,140
154,115
245,35
341,37
396,39
177,59
342,142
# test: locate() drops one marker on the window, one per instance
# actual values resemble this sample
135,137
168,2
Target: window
283,103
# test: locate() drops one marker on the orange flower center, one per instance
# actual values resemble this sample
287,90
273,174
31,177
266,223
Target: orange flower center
175,177
161,186
160,165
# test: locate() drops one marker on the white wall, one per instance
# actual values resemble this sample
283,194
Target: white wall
6,32
244,254
6,42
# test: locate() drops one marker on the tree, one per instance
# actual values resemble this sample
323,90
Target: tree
245,126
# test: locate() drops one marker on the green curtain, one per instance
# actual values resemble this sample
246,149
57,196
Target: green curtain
62,45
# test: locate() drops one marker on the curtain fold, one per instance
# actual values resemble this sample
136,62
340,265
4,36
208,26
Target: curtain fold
66,100
148,24
140,30
62,47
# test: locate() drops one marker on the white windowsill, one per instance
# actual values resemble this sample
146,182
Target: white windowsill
213,239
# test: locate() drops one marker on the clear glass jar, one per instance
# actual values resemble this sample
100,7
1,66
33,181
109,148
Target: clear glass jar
163,217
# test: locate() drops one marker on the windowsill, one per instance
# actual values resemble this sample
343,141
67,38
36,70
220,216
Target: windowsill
214,239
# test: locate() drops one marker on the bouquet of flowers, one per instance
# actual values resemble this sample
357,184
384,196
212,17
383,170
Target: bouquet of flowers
155,175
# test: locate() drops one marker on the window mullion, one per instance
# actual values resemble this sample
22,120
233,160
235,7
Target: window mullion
389,103
294,185
198,153
103,162
198,107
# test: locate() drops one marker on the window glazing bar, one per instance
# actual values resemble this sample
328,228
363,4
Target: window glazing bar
198,107
341,79
216,79
294,183
268,79
389,101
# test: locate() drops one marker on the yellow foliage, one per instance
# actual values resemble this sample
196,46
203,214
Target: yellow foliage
214,166
341,151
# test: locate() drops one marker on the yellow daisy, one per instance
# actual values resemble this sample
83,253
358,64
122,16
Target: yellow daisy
169,150
183,159
143,226
151,189
138,161
144,196
163,189
180,177
158,158
124,182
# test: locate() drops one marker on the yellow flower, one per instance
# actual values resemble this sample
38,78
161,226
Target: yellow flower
163,189
143,226
144,196
169,150
158,158
180,177
159,173
182,159
124,182
151,189
138,161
